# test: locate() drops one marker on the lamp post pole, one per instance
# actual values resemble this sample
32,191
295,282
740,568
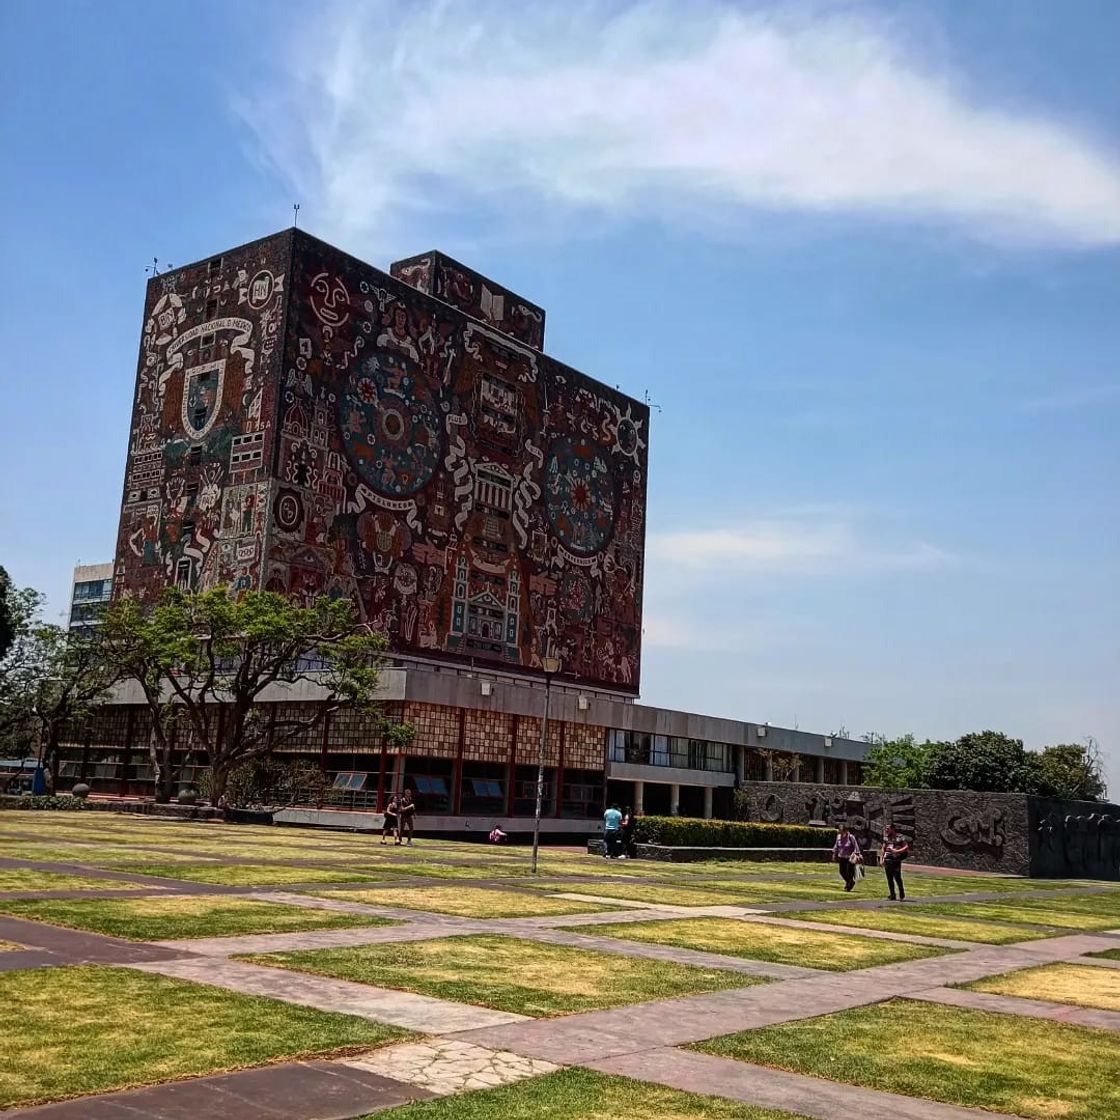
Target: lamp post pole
551,665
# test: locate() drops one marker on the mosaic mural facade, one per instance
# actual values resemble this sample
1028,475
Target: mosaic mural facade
309,424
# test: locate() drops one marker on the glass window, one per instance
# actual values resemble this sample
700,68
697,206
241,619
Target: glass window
582,795
483,788
430,781
659,754
525,791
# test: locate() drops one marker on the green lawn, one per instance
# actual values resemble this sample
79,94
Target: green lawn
835,952
643,892
30,879
1080,984
1058,914
251,874
909,921
969,1058
466,902
507,974
170,917
1108,954
580,1094
89,1029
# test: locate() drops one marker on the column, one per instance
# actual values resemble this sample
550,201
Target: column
740,757
820,769
768,774
675,800
639,792
707,803
795,772
844,772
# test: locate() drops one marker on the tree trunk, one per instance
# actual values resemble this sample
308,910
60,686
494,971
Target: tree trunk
219,778
160,753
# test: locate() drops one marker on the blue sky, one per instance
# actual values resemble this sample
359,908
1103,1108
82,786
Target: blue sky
864,258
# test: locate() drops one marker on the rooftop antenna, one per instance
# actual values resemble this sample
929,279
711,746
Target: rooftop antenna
295,215
154,270
650,403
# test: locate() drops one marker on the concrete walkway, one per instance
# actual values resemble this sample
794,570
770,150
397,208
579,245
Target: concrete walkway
773,1088
384,1005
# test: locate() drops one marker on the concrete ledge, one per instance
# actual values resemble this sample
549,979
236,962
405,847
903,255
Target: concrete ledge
669,854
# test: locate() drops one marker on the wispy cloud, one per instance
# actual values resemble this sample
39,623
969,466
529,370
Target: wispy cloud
803,544
388,111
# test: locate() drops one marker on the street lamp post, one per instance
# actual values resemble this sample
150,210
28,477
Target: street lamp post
551,666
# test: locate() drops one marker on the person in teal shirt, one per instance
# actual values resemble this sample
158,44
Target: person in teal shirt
612,832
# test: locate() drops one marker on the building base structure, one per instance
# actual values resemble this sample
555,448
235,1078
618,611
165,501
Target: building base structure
476,747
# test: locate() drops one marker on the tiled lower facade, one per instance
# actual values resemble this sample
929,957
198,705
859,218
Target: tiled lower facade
463,761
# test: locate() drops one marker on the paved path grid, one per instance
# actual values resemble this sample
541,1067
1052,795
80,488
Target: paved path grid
456,1046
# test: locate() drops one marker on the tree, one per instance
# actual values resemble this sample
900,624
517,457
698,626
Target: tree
19,607
984,760
1072,771
209,658
900,763
50,680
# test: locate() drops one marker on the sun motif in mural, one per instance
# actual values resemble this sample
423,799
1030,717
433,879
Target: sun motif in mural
627,433
580,495
391,426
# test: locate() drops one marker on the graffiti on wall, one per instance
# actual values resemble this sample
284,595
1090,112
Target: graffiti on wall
196,486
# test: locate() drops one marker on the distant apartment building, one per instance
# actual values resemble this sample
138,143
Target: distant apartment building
91,591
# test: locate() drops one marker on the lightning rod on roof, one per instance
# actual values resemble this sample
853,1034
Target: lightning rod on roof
295,215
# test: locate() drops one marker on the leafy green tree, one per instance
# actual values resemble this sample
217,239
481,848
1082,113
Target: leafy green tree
50,681
19,607
984,760
208,658
900,763
1072,771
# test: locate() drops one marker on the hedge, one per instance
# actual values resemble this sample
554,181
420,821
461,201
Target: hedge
56,803
695,832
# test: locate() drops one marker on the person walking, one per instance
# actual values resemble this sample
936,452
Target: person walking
612,831
846,853
629,823
407,816
895,849
390,826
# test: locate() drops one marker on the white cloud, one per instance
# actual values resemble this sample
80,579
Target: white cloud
805,543
389,111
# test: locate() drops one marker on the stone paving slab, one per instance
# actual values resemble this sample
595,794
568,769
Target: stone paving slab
71,946
444,1066
1017,1005
344,997
778,1089
290,1091
1096,962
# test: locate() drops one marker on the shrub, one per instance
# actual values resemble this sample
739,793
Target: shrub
55,804
693,832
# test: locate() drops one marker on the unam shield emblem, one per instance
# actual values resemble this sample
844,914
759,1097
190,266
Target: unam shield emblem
202,394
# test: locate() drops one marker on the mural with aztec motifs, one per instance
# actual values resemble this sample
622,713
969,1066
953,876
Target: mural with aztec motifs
476,498
195,503
309,424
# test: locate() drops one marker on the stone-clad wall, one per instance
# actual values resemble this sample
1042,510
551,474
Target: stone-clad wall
1007,832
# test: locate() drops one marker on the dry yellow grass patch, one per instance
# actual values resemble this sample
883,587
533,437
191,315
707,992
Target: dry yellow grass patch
467,902
1080,984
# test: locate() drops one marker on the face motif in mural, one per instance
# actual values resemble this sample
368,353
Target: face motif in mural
580,495
391,426
330,300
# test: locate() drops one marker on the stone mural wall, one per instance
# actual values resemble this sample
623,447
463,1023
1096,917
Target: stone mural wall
1006,832
309,424
197,485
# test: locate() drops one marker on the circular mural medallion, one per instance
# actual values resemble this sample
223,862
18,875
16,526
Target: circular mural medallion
580,495
391,426
289,510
